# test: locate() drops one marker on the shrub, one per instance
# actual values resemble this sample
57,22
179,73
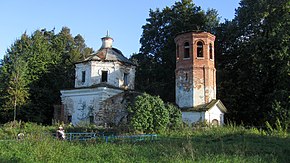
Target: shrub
150,114
175,119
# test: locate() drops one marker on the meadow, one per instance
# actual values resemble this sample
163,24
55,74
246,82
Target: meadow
230,143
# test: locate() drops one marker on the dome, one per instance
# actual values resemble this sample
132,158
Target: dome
107,53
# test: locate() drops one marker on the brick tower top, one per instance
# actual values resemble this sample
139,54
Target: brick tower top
196,48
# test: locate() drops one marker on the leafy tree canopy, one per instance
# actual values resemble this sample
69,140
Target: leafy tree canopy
253,62
39,66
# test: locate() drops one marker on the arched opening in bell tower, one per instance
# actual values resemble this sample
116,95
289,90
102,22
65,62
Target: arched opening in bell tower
210,51
199,49
186,50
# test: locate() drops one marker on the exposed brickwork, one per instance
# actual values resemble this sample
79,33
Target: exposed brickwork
114,112
195,76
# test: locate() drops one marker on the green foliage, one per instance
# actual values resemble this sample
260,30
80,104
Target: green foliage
150,114
175,119
281,114
278,130
17,86
43,63
253,62
155,73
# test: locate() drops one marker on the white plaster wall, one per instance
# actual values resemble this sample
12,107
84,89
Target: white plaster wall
132,77
183,88
184,98
130,70
82,103
192,117
210,93
94,74
78,74
190,94
214,113
198,94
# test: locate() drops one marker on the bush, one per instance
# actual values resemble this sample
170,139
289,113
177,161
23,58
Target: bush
175,119
150,114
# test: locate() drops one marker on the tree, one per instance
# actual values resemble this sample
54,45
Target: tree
14,83
55,54
17,87
156,60
48,60
254,61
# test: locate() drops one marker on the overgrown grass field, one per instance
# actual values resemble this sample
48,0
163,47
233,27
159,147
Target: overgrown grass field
218,144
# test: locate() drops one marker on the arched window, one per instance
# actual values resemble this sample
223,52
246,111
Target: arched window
199,49
215,122
177,51
186,50
210,51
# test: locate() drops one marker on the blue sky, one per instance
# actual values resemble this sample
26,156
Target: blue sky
90,18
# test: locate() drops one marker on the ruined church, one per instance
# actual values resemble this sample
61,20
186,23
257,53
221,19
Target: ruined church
104,84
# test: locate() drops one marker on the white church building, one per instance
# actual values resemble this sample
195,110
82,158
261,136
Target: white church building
102,81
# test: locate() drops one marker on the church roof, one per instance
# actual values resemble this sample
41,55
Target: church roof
109,55
207,106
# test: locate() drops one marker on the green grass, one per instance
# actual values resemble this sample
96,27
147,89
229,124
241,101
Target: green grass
221,144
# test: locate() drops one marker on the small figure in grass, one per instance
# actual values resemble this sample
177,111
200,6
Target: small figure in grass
60,133
20,136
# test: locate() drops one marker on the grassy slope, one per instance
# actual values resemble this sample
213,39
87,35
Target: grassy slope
227,144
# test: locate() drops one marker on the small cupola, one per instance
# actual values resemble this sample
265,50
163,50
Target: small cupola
107,41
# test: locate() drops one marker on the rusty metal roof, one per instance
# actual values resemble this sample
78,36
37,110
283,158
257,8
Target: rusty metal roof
108,55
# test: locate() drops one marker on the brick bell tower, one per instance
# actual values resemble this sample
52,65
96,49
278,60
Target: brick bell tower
195,69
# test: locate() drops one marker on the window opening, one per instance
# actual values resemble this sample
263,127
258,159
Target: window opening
91,119
177,51
104,76
186,76
69,118
83,76
199,49
186,50
210,52
126,82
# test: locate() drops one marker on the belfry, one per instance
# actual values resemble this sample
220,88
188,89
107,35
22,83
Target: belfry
195,77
